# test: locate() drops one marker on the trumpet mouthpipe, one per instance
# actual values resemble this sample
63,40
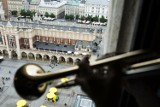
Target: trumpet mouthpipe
58,74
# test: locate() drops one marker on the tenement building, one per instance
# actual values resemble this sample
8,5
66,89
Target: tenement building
88,7
55,7
72,7
97,8
39,6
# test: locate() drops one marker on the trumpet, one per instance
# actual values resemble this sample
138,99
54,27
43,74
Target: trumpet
30,80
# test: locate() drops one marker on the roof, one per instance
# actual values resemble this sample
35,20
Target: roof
83,1
29,1
54,4
73,2
97,40
53,46
35,2
15,0
84,44
56,27
9,24
88,44
98,2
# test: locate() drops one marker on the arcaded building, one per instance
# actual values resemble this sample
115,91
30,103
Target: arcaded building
59,44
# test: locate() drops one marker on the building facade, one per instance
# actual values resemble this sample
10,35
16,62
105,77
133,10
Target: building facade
55,7
5,8
39,6
88,7
25,5
15,5
72,7
81,9
43,44
34,4
1,12
97,8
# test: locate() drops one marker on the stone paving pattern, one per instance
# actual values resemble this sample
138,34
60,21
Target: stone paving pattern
9,97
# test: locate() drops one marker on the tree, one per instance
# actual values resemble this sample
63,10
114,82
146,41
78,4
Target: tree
28,13
102,19
89,18
77,17
52,15
82,17
23,13
96,19
46,14
67,17
33,13
14,12
71,17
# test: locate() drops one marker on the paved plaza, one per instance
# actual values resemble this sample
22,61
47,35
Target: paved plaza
9,97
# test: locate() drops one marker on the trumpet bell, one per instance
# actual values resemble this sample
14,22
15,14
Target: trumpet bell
26,83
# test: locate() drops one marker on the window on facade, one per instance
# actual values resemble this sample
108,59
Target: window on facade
11,41
37,38
58,41
25,41
50,40
66,41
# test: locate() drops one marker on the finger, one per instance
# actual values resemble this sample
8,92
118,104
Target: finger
85,60
84,68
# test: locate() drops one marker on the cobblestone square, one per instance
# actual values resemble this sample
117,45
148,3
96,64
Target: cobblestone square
9,97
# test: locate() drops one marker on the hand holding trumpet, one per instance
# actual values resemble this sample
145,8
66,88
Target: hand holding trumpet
103,84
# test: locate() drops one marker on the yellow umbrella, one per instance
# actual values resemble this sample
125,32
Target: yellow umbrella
43,106
64,79
49,96
19,106
21,103
53,90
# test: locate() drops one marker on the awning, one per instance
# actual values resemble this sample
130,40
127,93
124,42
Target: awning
50,95
69,52
64,80
21,103
76,53
43,106
85,54
53,90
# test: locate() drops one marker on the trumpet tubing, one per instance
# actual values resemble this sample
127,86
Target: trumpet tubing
30,79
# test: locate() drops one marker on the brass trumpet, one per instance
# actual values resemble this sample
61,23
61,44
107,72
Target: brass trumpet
30,79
